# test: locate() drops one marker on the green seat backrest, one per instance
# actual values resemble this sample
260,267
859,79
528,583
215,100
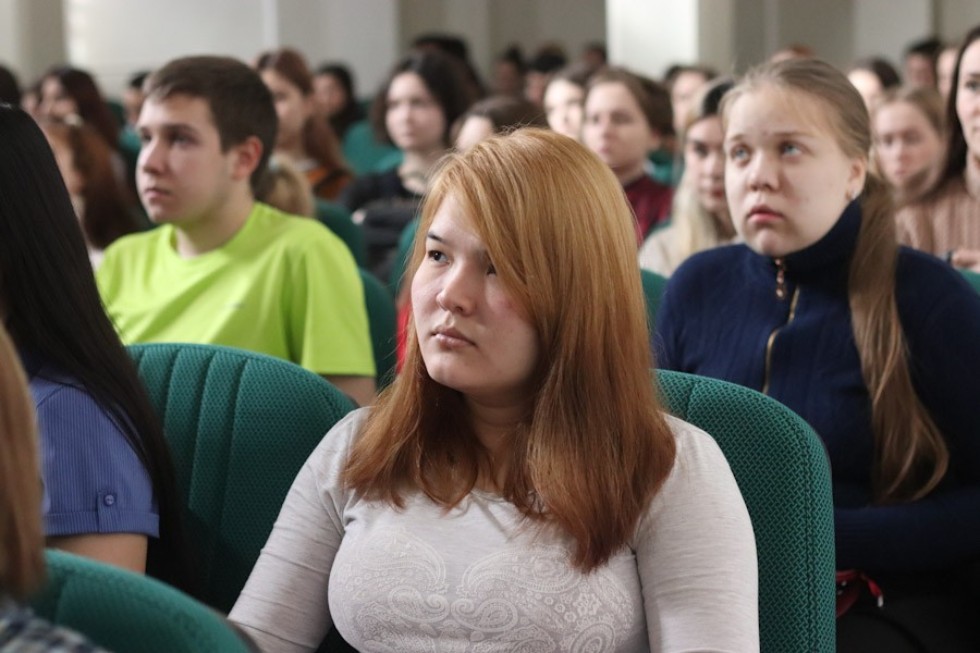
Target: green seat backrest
653,291
128,613
784,475
336,218
973,278
383,323
363,152
240,426
405,242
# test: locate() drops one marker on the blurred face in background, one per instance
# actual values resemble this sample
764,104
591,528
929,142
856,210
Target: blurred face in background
704,163
55,101
617,130
414,119
293,108
563,107
906,144
329,95
682,93
867,84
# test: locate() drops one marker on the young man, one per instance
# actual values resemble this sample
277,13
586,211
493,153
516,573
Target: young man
223,268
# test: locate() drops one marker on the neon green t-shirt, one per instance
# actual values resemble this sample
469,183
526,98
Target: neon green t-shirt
283,286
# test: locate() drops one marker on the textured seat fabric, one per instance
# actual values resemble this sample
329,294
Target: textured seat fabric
782,470
383,323
973,278
337,219
653,291
127,613
240,426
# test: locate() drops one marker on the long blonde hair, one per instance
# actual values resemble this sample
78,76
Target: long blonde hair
594,446
696,229
21,536
911,456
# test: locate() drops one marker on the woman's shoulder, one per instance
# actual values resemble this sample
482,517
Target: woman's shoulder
330,456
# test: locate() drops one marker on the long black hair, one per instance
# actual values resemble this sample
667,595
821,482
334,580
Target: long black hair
956,148
54,311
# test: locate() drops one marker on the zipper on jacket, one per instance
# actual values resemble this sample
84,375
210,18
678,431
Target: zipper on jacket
780,294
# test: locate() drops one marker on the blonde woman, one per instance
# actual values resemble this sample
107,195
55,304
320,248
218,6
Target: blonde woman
874,345
909,125
518,486
700,217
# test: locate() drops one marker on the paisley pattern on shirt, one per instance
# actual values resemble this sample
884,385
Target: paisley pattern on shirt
516,599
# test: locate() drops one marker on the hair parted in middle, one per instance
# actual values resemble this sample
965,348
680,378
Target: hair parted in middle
319,140
911,456
594,446
653,98
241,105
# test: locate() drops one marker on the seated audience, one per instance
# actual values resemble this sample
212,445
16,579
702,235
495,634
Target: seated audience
872,344
414,110
548,60
685,84
522,469
945,63
627,117
224,268
67,91
286,188
21,535
908,125
303,136
872,77
563,100
700,218
494,115
508,73
945,222
100,203
919,63
108,479
334,98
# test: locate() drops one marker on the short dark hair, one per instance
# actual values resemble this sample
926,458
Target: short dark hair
137,79
929,47
9,87
442,77
507,113
241,105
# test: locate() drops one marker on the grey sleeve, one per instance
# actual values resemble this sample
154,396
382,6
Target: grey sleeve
696,556
283,605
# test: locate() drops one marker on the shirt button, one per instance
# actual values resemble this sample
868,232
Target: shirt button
109,500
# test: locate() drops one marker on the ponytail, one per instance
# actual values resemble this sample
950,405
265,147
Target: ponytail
911,456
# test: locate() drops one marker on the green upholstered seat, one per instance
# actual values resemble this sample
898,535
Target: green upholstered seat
784,475
364,154
128,613
973,278
653,291
240,426
337,219
383,323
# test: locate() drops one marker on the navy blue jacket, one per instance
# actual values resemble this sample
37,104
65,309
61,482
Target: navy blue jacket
718,313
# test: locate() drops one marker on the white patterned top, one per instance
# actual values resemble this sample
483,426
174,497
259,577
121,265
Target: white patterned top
478,579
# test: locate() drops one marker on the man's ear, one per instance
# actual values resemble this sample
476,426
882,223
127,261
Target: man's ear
247,155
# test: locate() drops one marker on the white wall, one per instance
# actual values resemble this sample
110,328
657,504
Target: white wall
885,27
649,35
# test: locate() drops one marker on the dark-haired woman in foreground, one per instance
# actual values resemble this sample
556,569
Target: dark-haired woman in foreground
874,345
108,479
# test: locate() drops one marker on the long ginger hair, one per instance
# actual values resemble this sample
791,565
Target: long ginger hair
594,447
911,456
21,537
